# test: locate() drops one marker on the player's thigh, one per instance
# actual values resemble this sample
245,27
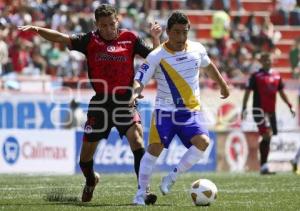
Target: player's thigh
262,123
200,141
193,130
162,129
127,120
97,127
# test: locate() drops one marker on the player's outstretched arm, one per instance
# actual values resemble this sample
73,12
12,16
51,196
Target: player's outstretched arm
48,34
286,100
212,72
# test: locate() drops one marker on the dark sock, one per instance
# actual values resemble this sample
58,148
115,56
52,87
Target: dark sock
264,148
88,171
138,154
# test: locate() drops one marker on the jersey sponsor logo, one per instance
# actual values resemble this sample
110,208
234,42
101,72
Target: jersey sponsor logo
145,67
111,48
11,150
181,58
125,42
108,57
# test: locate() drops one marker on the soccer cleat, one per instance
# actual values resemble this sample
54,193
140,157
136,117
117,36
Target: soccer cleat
166,185
87,193
266,172
139,198
150,198
294,166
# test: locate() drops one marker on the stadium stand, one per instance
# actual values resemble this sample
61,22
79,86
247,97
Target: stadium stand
37,57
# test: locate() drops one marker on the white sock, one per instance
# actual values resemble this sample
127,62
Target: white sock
146,167
190,158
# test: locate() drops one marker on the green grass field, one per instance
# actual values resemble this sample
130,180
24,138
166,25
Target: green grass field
115,192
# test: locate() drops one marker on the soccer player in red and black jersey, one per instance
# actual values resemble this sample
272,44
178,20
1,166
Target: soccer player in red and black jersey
265,84
110,55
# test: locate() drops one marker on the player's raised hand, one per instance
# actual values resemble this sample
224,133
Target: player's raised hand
28,28
134,97
224,91
155,30
293,112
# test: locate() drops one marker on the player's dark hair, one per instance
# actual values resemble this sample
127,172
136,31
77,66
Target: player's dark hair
265,54
177,18
105,10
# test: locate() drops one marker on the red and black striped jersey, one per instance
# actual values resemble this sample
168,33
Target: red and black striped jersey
110,63
265,85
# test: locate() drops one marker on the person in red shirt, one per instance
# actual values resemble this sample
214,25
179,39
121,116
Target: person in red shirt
265,84
110,55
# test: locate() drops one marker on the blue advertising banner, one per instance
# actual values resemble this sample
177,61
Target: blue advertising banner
114,155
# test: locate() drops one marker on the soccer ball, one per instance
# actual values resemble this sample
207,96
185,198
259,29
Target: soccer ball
203,192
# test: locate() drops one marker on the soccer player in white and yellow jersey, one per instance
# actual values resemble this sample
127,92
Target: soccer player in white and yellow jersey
175,65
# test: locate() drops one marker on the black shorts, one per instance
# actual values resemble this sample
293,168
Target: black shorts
264,121
103,114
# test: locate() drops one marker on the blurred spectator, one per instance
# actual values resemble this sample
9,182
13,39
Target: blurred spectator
239,31
3,56
220,30
253,28
22,52
243,61
284,8
254,64
195,4
38,61
3,47
295,15
164,3
294,57
61,17
231,67
19,54
226,4
75,116
267,33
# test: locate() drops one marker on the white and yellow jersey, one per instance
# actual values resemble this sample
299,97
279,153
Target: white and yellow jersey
177,75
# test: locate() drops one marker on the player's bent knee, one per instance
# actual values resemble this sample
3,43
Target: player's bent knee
200,141
135,137
155,149
267,135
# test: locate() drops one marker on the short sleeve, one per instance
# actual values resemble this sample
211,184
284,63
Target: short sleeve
79,42
141,48
205,60
280,85
146,70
